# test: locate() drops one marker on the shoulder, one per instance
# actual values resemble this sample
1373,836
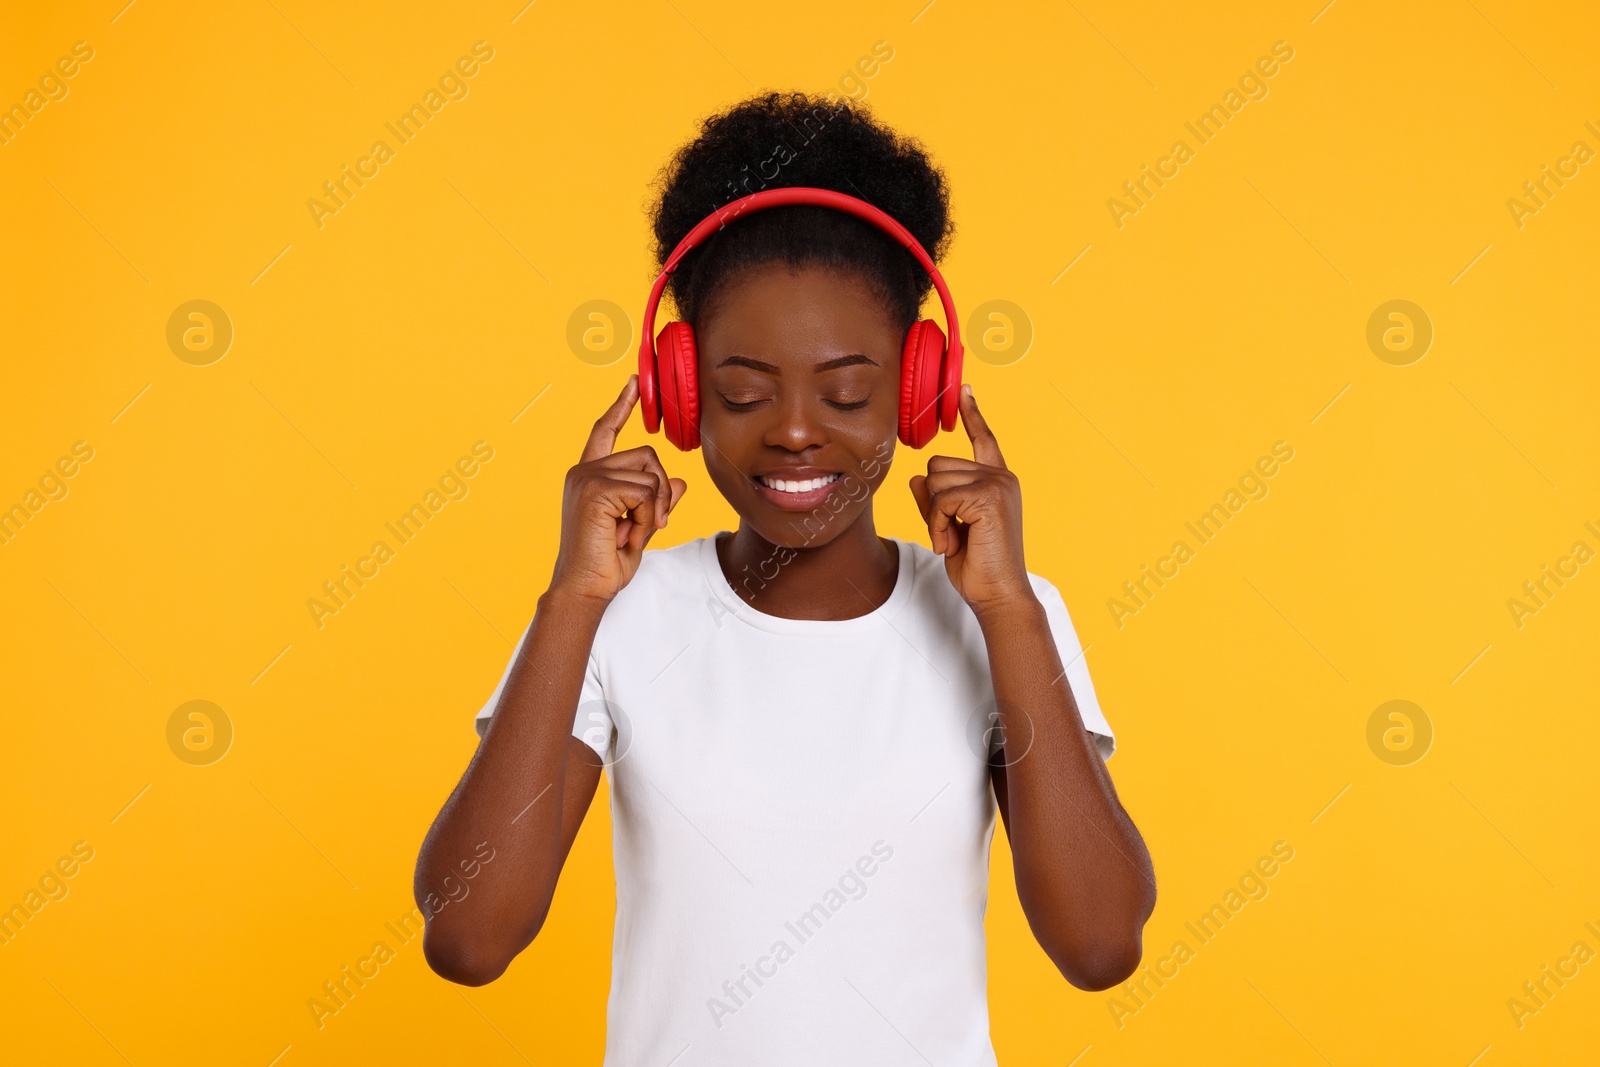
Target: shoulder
930,582
662,564
1046,591
667,579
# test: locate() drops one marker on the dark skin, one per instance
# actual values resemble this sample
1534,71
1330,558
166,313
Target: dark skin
799,367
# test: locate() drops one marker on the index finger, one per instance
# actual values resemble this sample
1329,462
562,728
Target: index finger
603,438
985,449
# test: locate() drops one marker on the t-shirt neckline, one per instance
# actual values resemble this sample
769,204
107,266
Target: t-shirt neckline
745,612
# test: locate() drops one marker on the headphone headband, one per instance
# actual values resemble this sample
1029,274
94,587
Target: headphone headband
770,198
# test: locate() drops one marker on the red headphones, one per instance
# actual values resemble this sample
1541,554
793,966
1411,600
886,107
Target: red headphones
930,370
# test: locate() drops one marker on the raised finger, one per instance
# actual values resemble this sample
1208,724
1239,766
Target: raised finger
604,435
985,449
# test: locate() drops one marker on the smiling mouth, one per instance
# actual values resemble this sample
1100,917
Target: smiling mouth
807,485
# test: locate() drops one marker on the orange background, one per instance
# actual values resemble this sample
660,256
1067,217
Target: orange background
368,354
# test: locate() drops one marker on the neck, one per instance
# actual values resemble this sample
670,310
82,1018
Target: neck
849,576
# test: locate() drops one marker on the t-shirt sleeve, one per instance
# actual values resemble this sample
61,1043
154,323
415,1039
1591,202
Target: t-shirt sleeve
591,723
1072,658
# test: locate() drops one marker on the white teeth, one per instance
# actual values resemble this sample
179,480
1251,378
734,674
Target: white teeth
786,486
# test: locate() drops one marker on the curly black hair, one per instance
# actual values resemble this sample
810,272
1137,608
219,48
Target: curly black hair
785,139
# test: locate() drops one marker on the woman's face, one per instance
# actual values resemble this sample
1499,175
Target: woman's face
799,381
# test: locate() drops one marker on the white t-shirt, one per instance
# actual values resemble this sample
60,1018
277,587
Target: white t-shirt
801,816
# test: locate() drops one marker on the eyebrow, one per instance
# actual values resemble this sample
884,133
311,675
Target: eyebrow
832,364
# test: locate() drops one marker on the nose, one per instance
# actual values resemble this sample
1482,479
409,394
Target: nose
794,424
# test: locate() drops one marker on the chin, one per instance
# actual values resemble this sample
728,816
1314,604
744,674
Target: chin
806,531
799,530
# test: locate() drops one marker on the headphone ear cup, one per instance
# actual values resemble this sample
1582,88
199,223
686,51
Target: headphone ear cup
678,363
908,379
950,385
649,388
921,362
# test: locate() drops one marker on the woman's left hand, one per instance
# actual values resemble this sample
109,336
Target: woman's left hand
973,508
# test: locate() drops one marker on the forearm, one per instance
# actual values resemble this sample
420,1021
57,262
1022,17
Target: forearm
511,798
1083,875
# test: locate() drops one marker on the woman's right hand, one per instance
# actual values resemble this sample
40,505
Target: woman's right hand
611,505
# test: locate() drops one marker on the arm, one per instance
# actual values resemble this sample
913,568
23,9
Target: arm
524,795
529,784
1084,877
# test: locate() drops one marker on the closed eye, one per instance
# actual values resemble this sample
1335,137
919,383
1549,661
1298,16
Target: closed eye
749,405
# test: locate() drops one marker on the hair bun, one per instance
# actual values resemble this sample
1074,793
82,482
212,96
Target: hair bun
776,140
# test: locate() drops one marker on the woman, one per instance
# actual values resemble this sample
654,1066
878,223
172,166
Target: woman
808,726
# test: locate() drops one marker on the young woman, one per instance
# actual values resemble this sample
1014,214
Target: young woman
808,726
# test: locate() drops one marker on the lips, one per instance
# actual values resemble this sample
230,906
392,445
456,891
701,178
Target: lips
795,485
797,489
